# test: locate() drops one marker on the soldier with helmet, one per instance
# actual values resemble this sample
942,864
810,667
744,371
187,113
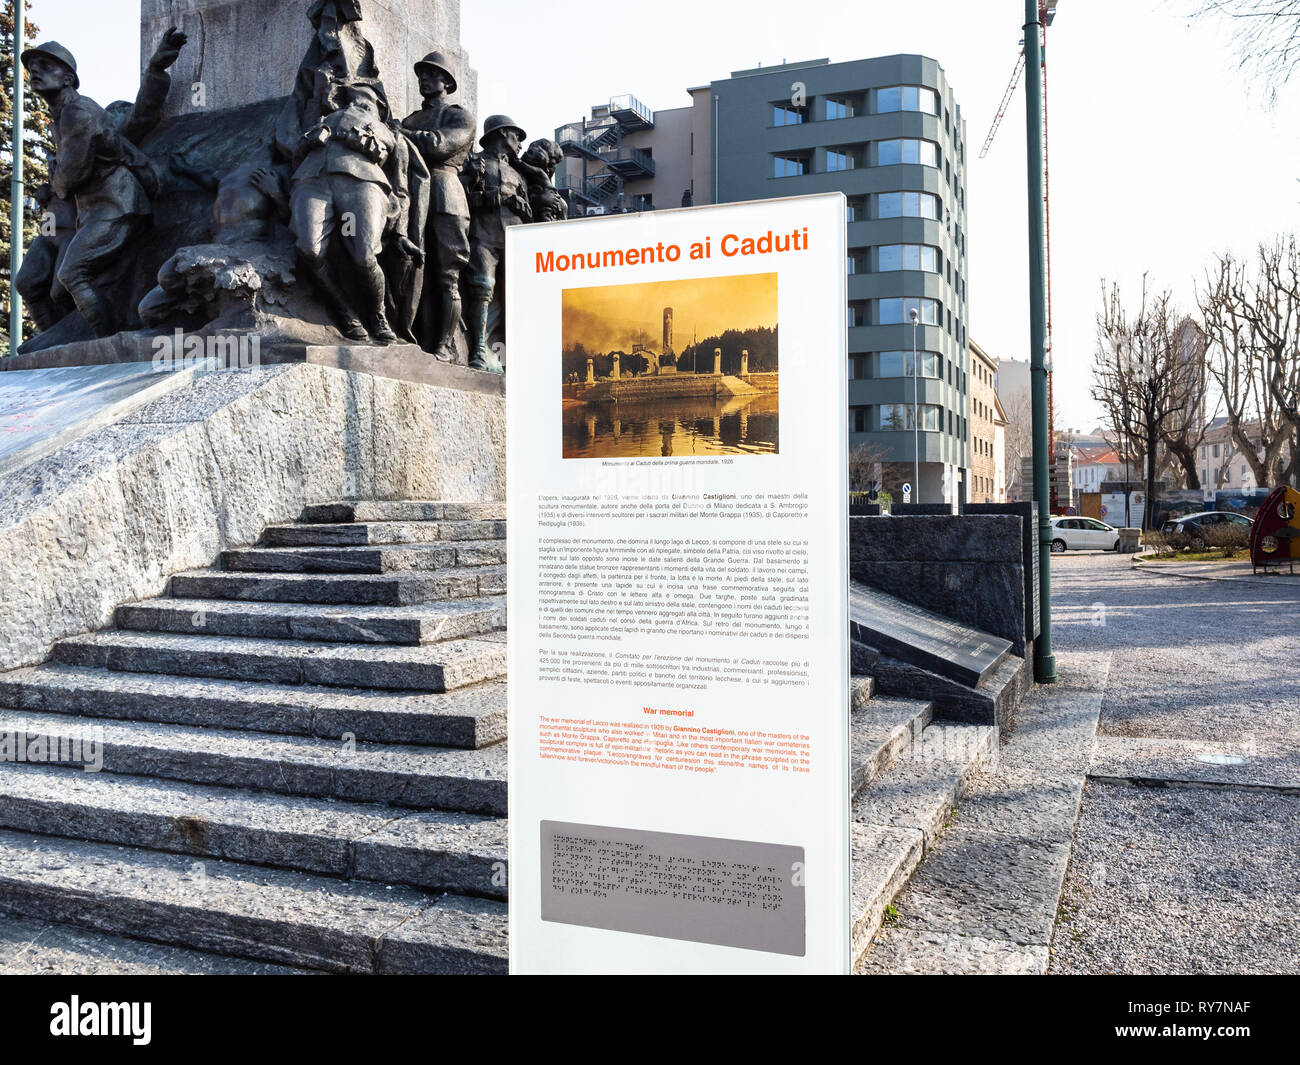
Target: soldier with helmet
102,172
498,199
443,133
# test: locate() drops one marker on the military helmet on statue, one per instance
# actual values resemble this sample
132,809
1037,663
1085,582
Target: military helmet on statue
54,50
437,63
496,122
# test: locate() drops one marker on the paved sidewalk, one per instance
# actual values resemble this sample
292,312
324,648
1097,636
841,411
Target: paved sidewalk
1184,857
985,899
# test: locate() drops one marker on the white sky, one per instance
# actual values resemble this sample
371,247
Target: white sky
1161,153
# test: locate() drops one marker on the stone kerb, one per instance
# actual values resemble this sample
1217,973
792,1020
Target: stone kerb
108,518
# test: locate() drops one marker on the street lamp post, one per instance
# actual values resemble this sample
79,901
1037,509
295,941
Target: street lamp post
1044,659
916,414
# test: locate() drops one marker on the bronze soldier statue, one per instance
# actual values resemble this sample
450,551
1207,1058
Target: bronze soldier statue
47,300
498,199
443,132
99,169
340,176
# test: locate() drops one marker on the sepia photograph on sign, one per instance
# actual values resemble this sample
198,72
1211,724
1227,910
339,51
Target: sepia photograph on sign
671,368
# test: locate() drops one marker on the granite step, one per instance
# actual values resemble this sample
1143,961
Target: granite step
373,510
861,689
436,667
880,731
233,908
30,947
386,589
389,558
439,778
899,816
405,625
381,532
469,717
436,850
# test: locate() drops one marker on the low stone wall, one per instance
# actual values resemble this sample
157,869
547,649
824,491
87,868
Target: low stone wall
108,518
966,567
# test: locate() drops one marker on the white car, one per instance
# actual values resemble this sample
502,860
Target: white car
1083,534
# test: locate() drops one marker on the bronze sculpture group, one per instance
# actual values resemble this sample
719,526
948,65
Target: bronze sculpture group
395,227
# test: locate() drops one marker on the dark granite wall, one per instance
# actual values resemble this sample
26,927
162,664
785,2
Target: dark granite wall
967,567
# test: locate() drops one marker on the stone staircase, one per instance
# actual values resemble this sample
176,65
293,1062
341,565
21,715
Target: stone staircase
909,771
304,765
303,759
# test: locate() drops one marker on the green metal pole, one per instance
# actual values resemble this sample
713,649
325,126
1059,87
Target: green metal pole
16,188
1044,660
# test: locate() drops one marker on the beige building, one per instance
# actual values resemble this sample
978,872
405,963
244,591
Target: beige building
988,424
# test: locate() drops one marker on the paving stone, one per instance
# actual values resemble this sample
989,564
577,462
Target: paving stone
38,948
442,851
907,951
394,532
433,667
407,625
1262,761
396,558
472,781
879,732
882,860
469,717
402,510
229,907
1021,802
383,589
984,884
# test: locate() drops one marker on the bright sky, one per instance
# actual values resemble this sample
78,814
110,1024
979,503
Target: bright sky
1161,152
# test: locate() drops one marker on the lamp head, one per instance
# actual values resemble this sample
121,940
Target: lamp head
914,315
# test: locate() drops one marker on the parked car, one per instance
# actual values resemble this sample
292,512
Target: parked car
1083,534
1194,525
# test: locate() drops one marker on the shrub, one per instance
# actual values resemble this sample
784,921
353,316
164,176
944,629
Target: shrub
1227,538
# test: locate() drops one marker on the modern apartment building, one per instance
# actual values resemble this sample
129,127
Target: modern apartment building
888,133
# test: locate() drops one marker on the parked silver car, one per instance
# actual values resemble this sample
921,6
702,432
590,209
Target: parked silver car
1083,534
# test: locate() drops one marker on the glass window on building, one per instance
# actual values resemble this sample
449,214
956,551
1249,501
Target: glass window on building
907,205
893,152
898,311
899,364
789,165
857,262
858,368
843,159
842,106
860,419
899,416
787,115
857,314
856,209
907,98
907,257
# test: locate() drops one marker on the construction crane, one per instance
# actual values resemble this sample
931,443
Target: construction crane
1006,101
1046,14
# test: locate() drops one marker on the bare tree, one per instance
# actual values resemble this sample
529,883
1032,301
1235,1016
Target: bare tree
1251,323
1136,374
1265,34
1018,437
863,473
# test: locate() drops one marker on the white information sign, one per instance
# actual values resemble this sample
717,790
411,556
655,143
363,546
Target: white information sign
679,762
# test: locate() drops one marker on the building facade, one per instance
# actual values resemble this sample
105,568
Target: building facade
888,134
988,431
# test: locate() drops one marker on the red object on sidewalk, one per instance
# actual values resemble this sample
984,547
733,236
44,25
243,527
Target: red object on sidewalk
1275,537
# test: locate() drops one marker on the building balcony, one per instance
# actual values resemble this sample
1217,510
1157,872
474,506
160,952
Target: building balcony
628,162
631,113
